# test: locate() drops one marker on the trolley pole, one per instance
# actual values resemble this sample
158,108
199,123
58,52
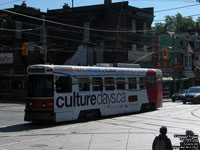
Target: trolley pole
44,39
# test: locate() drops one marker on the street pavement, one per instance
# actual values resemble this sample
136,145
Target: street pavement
127,132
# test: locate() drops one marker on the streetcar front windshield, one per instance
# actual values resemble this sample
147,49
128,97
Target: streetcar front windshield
40,86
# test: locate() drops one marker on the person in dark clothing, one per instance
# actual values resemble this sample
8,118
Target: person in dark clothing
162,142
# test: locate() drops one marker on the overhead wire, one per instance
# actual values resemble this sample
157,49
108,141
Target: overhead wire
18,30
100,30
67,39
69,25
175,8
79,26
10,2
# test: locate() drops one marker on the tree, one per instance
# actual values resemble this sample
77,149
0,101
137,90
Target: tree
176,24
160,27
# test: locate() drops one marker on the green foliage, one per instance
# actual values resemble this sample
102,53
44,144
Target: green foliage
176,24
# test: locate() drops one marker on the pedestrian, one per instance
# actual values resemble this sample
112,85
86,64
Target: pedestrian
162,142
190,142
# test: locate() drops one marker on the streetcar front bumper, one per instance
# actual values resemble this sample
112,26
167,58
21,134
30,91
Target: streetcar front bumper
39,116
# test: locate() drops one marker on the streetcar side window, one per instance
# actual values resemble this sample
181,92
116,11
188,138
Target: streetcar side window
120,83
97,84
132,84
84,84
64,85
109,84
142,83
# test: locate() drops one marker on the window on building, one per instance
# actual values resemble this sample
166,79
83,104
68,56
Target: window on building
3,26
86,31
140,47
185,43
18,30
132,84
4,86
196,45
109,84
64,85
97,84
145,48
84,84
18,84
190,61
134,26
186,61
139,26
144,27
120,83
134,47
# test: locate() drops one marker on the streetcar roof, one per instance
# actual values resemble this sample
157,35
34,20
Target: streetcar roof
56,68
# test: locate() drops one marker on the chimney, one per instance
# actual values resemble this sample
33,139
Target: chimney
65,6
23,4
107,2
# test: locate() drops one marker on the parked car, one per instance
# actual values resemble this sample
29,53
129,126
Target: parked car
193,95
180,95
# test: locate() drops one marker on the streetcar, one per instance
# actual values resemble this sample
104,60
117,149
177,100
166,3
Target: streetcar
59,93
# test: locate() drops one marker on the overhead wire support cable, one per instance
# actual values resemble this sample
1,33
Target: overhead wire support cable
175,8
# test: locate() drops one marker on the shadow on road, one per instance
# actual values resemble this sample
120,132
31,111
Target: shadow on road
38,125
25,127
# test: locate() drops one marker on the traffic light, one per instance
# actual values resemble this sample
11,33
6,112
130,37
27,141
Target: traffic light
165,54
25,49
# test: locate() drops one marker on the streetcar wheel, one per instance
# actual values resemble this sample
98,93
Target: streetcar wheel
89,114
148,107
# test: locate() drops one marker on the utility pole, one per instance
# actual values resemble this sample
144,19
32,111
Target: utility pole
44,39
173,64
72,3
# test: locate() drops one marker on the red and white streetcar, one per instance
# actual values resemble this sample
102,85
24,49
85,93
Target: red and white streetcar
63,93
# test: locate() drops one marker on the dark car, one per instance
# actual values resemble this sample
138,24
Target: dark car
193,95
180,95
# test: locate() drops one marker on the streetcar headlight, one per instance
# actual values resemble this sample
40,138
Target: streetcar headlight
44,105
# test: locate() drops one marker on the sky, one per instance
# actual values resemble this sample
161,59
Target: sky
158,5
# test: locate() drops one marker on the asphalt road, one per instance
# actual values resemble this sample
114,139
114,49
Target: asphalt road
129,132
